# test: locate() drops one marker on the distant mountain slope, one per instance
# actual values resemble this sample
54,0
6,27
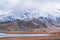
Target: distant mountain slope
34,23
29,20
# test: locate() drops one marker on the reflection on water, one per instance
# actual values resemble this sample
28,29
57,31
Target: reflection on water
2,35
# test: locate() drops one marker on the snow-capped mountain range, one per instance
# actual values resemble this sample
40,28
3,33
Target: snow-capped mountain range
29,14
20,9
47,11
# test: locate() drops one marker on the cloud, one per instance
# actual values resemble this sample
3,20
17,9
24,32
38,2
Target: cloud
33,8
7,5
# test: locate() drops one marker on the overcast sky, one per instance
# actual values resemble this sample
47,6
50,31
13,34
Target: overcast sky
7,6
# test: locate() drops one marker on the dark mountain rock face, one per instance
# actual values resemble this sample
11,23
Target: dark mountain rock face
34,23
22,24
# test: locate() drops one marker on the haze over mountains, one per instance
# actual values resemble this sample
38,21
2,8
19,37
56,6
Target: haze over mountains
20,14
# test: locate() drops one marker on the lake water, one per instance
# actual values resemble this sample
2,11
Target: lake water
2,35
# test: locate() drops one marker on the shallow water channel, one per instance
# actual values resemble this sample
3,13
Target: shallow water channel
2,35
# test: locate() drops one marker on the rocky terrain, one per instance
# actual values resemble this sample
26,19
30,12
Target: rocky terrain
20,14
21,24
34,23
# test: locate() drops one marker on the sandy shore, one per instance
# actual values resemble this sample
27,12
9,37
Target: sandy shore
55,36
46,37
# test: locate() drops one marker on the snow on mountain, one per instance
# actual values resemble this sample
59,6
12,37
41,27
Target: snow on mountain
20,9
